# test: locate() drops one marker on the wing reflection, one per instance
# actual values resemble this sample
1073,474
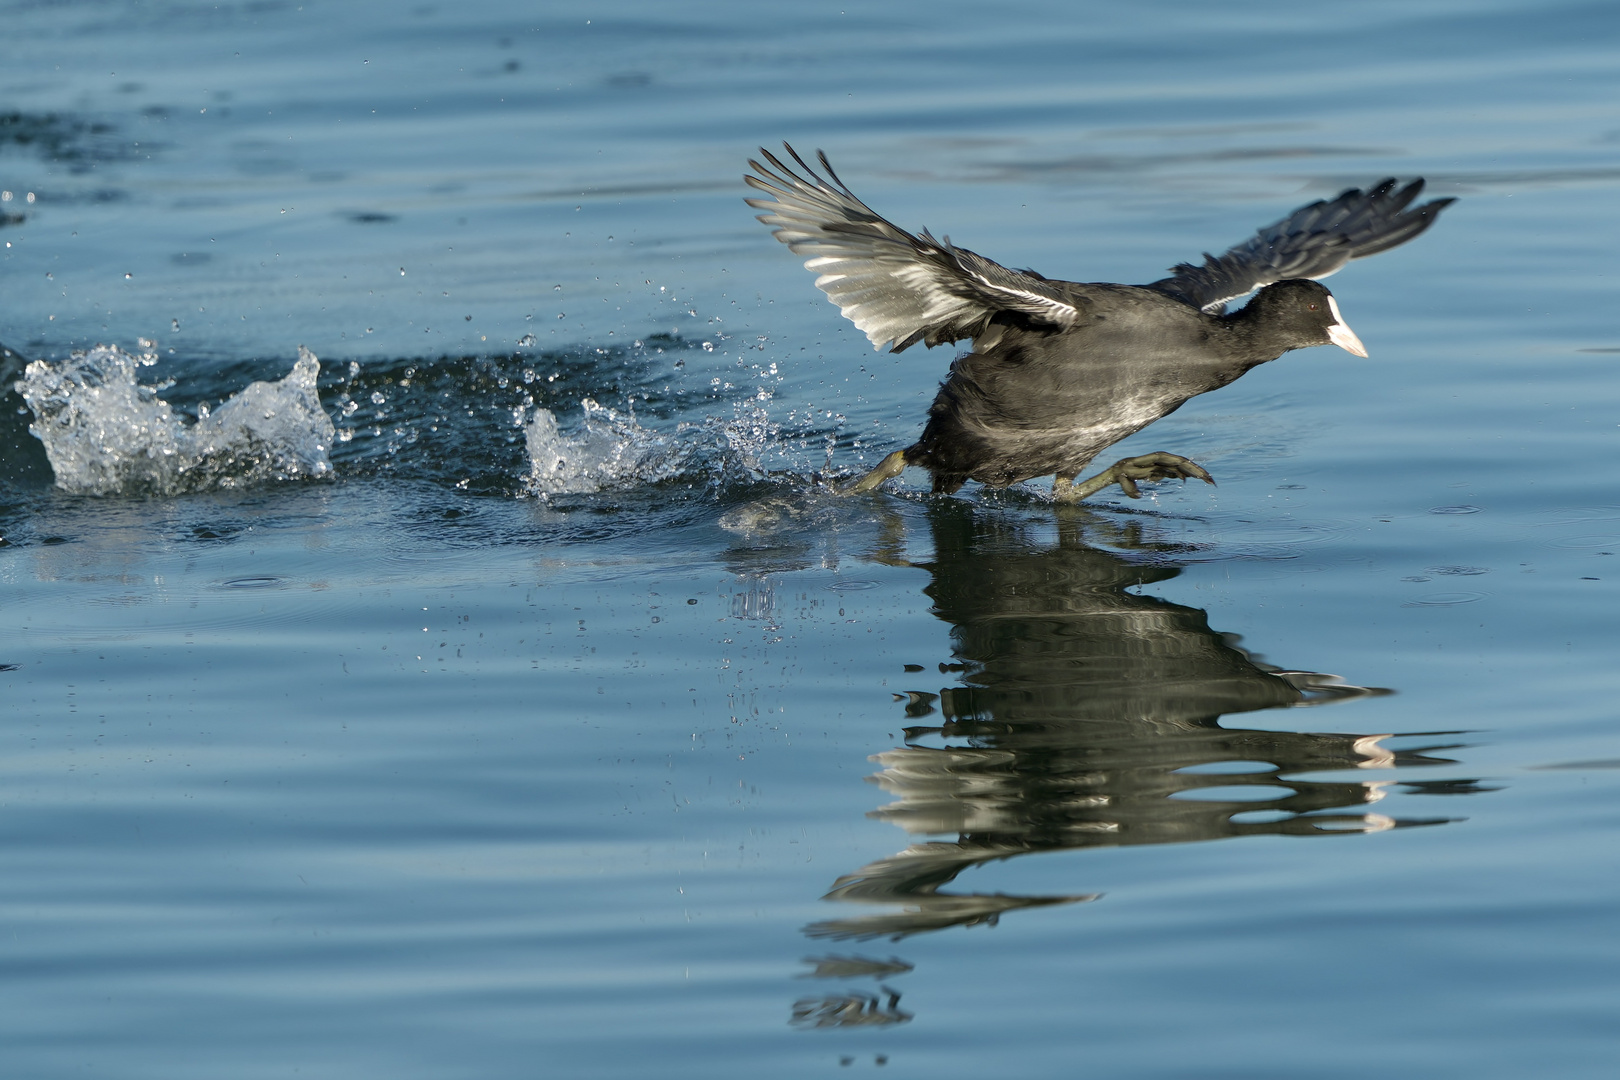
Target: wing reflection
853,1009
1090,716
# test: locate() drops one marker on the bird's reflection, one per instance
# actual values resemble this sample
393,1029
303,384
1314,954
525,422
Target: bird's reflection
1086,716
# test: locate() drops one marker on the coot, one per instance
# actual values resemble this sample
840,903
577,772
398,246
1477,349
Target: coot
1061,370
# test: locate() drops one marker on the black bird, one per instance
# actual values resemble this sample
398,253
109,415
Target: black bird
1061,370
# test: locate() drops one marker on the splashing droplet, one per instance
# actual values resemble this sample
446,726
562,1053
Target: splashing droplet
105,433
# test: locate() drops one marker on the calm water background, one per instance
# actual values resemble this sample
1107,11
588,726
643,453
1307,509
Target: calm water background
414,772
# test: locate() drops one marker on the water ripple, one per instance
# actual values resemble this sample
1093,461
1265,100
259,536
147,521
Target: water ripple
1447,599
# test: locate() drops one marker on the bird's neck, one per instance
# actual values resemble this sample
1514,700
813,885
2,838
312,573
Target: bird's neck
1252,336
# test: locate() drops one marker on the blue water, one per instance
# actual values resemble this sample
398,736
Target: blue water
361,744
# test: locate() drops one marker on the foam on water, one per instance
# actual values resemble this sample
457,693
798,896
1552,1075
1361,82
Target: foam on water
107,434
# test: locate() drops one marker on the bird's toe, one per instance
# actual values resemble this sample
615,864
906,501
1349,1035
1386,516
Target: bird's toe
1158,466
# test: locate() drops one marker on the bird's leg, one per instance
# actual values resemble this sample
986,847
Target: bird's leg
1126,472
888,468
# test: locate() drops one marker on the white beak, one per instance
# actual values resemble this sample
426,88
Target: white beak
1341,335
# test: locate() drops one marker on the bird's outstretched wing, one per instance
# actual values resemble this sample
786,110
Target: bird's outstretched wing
1312,242
894,286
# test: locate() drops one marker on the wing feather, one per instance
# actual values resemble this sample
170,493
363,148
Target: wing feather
895,287
1312,242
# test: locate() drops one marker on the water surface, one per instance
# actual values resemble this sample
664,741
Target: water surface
519,701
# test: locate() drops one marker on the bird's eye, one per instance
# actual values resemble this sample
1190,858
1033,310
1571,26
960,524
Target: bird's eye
1312,307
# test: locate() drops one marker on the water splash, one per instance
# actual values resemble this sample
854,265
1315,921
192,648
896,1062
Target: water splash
608,451
611,450
106,434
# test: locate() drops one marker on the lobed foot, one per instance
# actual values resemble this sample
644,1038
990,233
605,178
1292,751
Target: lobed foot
1127,472
887,469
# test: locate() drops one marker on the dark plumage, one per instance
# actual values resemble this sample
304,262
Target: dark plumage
1060,370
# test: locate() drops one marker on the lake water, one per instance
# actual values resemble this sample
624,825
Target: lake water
496,690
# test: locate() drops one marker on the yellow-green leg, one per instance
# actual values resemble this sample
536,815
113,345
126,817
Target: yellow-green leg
887,469
1126,472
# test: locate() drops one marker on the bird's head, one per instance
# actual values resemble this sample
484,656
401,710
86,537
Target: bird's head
1300,313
